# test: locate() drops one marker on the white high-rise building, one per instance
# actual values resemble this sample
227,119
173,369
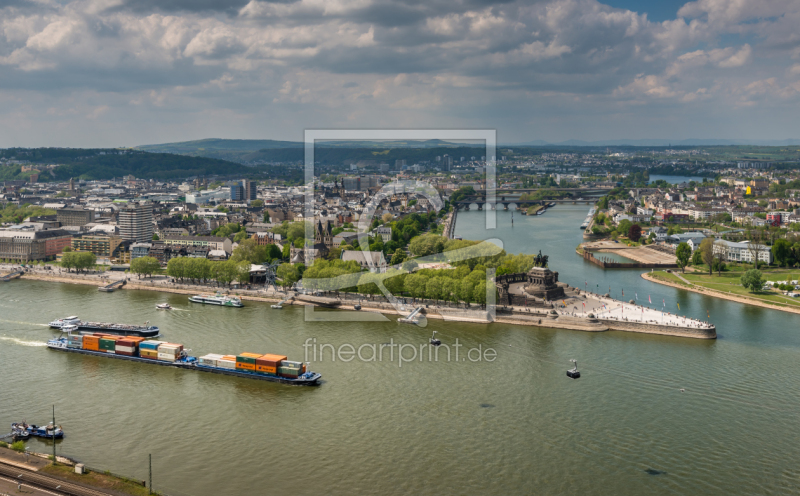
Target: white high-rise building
136,222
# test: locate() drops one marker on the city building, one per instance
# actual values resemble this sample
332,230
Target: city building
208,196
27,246
135,222
139,250
251,190
209,242
101,244
237,192
373,261
743,252
74,216
359,183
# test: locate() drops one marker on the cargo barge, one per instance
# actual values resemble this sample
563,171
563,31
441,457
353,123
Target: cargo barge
145,331
273,368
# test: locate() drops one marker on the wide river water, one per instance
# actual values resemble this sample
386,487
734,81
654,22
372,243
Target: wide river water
515,425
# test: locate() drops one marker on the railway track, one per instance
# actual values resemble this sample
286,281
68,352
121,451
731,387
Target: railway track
42,481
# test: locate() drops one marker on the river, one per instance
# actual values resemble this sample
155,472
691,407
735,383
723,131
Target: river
513,425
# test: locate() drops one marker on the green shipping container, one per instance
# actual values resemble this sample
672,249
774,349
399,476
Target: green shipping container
244,359
295,371
107,344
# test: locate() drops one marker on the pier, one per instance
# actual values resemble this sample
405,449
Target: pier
12,275
109,288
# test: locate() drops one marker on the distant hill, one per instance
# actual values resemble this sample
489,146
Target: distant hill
215,144
336,155
661,142
110,163
251,152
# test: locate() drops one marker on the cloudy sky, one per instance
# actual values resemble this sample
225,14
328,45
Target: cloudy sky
131,72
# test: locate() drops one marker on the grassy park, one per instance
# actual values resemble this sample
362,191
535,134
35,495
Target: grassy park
729,282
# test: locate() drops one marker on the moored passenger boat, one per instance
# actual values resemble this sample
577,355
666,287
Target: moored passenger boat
217,299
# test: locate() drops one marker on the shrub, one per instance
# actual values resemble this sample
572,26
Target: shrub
18,446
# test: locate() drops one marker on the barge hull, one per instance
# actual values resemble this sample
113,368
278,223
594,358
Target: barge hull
190,366
142,333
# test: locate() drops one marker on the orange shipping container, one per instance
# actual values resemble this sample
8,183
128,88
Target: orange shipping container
245,366
231,358
250,355
270,360
91,343
266,369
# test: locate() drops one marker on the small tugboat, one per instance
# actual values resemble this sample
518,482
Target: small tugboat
47,431
164,306
574,373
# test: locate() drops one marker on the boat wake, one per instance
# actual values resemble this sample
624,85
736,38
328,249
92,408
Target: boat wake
23,342
24,323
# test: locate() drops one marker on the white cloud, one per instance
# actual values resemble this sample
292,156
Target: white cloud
395,60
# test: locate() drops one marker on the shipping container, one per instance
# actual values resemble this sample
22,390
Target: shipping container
226,364
209,360
91,343
76,346
287,363
289,371
273,361
231,358
245,366
265,369
166,357
149,345
245,358
107,344
152,354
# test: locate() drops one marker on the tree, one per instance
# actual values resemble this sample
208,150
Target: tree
427,244
697,258
683,253
366,283
635,232
250,251
720,254
782,251
155,237
387,217
706,250
465,291
410,265
287,274
752,280
257,203
755,245
240,236
399,256
144,266
177,268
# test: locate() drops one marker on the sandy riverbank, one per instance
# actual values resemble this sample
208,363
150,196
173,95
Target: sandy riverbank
719,294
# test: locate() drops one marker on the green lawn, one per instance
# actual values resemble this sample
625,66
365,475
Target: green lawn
728,282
